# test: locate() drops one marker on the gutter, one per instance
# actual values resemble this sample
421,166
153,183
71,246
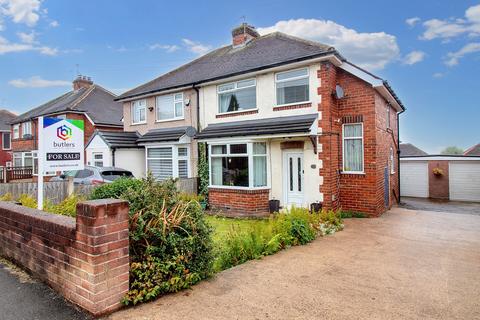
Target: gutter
398,152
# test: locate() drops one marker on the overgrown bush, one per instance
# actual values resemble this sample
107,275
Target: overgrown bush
6,197
170,241
296,226
67,207
114,190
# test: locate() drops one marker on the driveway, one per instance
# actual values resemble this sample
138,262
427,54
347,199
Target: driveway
404,265
441,205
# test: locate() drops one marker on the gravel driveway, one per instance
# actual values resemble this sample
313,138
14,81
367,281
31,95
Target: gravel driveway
405,265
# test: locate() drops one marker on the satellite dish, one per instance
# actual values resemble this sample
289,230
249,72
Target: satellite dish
339,93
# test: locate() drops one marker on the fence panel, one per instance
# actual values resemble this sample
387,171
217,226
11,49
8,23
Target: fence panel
55,191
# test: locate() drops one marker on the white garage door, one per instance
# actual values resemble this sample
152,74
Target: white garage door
414,179
465,180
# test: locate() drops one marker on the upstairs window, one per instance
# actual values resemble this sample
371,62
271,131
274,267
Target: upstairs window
392,161
292,86
6,141
353,148
170,107
139,111
16,131
237,96
388,116
26,129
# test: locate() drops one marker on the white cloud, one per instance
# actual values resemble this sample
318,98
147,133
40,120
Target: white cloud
27,37
9,47
21,11
414,57
166,47
412,21
438,75
370,50
38,82
454,57
54,24
196,47
453,27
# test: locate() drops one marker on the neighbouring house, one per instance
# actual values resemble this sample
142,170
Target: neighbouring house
284,119
87,101
408,149
6,138
473,150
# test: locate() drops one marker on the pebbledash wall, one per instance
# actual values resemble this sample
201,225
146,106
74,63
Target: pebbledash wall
86,260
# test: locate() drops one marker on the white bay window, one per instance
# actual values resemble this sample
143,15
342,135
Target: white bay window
237,96
166,162
238,165
292,86
353,148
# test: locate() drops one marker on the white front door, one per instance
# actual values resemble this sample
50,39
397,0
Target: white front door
293,186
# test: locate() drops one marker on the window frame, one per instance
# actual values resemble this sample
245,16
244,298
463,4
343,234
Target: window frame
388,117
132,111
235,83
26,125
175,101
250,155
9,140
290,79
95,160
16,131
392,161
175,158
353,138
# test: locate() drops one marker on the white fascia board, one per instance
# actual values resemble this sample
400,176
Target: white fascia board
376,83
438,158
156,93
183,140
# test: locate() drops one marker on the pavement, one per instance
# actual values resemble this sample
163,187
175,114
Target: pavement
441,205
24,298
407,264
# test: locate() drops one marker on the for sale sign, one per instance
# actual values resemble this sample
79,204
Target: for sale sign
63,147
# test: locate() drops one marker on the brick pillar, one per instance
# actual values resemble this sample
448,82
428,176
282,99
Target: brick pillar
329,136
102,250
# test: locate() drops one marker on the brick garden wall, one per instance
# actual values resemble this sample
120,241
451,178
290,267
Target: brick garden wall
86,259
234,202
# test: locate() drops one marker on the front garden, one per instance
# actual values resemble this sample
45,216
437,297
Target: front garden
174,244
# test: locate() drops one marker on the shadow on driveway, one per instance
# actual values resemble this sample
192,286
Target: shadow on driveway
440,205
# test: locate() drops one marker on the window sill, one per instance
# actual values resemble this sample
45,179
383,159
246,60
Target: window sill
236,113
354,172
293,106
138,123
169,120
300,103
239,189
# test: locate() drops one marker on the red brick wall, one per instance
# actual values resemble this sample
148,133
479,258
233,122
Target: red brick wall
233,202
356,192
438,186
87,261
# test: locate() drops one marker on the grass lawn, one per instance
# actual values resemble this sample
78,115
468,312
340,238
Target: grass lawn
223,225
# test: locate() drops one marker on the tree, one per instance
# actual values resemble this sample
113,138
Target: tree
452,150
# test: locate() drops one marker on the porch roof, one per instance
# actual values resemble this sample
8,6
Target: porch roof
166,134
268,126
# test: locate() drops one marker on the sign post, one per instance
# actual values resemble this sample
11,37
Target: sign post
60,148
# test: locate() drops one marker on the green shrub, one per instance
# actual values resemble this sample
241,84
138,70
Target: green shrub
68,207
203,173
27,201
114,190
170,240
6,197
352,214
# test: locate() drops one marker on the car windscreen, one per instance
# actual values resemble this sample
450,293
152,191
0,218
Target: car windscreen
112,175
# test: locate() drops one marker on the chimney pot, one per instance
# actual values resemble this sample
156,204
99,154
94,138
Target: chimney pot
244,33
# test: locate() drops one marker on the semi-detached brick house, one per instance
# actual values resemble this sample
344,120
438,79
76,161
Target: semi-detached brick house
284,118
87,101
5,137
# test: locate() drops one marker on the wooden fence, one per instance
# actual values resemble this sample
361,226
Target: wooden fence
8,174
54,191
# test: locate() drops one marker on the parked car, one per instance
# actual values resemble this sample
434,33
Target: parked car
94,175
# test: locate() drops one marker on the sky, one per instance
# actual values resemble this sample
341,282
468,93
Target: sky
429,51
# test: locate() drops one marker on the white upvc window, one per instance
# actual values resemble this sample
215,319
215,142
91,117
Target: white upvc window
26,129
237,96
139,111
353,161
292,86
97,159
388,116
17,159
6,141
16,131
170,107
239,165
392,161
23,159
166,162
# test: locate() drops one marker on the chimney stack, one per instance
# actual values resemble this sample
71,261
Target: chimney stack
82,82
242,34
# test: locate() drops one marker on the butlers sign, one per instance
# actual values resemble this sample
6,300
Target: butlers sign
63,144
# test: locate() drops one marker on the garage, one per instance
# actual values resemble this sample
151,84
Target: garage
414,179
464,180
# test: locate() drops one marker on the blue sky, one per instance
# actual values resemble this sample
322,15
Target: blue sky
429,51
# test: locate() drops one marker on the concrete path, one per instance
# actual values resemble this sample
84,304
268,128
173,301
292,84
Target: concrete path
441,205
23,298
404,265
